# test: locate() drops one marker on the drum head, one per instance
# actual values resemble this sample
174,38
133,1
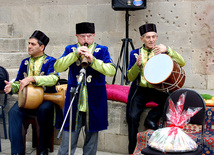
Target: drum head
158,68
22,97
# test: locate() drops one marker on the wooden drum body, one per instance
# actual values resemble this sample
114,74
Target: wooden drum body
31,97
164,73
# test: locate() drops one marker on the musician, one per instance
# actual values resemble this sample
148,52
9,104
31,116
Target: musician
89,108
141,91
38,69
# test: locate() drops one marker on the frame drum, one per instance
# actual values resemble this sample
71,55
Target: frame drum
164,73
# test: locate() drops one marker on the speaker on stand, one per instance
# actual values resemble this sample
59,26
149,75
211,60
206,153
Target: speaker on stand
126,5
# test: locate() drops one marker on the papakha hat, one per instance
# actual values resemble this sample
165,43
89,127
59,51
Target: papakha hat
147,28
85,27
39,35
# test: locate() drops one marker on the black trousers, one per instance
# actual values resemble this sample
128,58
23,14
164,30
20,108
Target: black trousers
16,115
137,105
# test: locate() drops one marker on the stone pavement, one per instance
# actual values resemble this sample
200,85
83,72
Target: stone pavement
5,145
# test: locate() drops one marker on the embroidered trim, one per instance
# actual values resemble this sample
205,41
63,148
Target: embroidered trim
97,50
78,62
45,61
73,48
42,73
89,78
26,62
25,74
136,55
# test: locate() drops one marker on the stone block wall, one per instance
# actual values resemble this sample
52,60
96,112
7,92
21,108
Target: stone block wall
185,25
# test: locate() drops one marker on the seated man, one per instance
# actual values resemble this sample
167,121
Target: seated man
141,91
37,70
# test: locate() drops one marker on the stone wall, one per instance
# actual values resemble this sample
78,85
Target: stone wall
185,25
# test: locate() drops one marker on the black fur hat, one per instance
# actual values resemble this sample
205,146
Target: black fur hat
85,27
147,28
40,36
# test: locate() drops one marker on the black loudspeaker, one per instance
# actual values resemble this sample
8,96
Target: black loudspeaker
132,5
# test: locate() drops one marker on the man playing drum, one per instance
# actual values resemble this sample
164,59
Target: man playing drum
141,91
38,69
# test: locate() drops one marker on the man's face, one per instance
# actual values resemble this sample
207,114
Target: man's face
85,38
34,49
149,39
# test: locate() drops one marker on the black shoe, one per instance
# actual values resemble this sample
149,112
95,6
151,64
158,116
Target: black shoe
17,154
150,124
44,152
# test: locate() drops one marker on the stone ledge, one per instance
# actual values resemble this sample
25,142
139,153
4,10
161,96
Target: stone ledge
114,139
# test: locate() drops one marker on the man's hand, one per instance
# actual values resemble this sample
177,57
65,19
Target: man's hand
8,87
158,49
139,60
84,51
26,81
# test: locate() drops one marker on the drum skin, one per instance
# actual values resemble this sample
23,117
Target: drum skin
163,73
31,97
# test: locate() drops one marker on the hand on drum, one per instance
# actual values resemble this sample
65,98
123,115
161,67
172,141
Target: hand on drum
158,49
26,81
